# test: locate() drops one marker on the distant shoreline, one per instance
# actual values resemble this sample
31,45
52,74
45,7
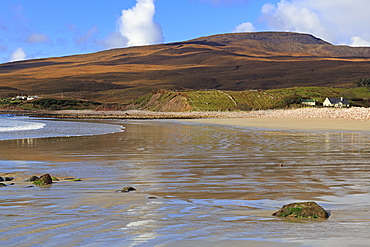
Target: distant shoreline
353,113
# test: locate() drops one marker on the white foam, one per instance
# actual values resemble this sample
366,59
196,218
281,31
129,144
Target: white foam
16,125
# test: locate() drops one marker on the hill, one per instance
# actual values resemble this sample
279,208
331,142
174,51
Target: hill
240,61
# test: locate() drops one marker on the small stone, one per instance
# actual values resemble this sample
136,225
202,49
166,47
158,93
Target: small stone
151,197
72,179
128,189
302,210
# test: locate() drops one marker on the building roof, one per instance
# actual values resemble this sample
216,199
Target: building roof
338,101
308,100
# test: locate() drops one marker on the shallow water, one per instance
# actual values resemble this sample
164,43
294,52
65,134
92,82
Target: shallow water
214,185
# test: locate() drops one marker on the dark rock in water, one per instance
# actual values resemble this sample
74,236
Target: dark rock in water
126,189
32,179
2,185
44,180
302,210
8,179
152,197
1,179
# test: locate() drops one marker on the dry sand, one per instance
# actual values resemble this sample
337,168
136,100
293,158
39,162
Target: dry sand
290,123
304,119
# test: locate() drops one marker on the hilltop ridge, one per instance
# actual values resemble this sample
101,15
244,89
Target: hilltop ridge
235,61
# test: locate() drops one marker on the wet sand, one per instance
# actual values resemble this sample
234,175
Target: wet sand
215,186
301,124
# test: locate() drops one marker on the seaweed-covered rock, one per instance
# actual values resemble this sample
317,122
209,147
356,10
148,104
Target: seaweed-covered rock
43,180
126,189
302,210
72,179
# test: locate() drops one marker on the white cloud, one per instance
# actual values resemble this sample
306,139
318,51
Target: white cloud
358,41
292,16
84,38
18,54
114,40
136,27
37,38
338,21
244,27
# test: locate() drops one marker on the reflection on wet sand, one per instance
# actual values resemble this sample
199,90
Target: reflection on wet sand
216,185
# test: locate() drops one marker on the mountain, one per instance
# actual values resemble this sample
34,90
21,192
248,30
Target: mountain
236,61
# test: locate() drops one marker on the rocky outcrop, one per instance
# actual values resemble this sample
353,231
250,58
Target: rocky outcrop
302,210
43,180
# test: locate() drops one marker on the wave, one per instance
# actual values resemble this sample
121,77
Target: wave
16,125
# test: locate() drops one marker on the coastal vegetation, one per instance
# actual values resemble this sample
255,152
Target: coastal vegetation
217,100
204,100
48,104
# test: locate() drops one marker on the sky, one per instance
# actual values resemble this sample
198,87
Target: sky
32,29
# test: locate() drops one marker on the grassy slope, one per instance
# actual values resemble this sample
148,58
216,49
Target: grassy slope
216,100
209,100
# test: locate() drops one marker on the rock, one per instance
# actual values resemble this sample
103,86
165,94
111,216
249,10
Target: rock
126,189
1,179
2,184
72,179
302,210
32,179
152,197
43,180
8,179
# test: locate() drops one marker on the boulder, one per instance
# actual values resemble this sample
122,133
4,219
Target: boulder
302,210
43,180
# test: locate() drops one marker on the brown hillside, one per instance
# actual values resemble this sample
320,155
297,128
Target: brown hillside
239,61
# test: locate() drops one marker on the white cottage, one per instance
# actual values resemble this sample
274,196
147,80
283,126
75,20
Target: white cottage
336,102
310,102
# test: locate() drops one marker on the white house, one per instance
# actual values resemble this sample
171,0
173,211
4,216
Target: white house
336,102
310,102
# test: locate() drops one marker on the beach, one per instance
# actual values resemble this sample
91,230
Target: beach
204,181
303,119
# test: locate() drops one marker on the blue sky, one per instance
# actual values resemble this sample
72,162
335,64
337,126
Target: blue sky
45,28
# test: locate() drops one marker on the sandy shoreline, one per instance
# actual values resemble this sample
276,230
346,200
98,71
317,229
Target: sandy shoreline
298,124
309,119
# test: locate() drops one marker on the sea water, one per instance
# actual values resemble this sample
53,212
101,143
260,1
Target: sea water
24,127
